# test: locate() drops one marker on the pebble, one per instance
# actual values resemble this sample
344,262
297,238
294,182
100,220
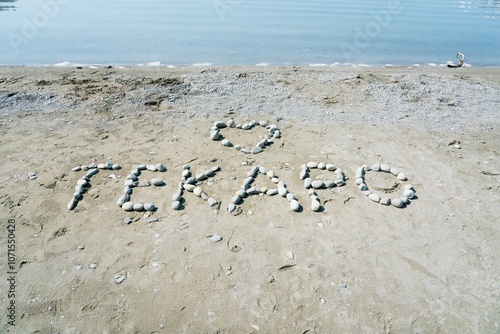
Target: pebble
157,182
330,184
253,171
331,167
263,123
317,184
129,183
116,167
79,188
272,192
80,247
204,196
340,174
322,166
77,195
360,180
394,171
290,197
308,183
409,193
401,177
201,176
212,202
152,220
119,278
132,177
82,182
151,168
315,205
128,206
79,267
161,168
367,192
275,180
72,204
270,174
93,265
140,167
397,202
374,197
360,173
236,199
231,123
215,135
340,183
191,180
257,150
231,207
128,221
101,166
92,172
363,187
176,205
376,167
138,207
215,238
76,168
85,168
93,165
408,186
220,125
312,164
303,174
149,207
385,201
109,165
197,191
294,204
263,190
253,191
282,191
385,168
226,143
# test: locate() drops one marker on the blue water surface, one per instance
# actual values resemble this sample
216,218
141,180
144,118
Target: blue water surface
249,32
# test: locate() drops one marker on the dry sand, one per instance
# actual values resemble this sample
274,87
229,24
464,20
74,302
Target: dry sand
357,267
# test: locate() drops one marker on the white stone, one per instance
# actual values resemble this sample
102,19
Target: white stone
138,207
272,192
363,187
101,166
303,174
149,207
397,202
270,174
226,143
385,168
315,205
72,204
231,207
122,200
374,197
312,164
322,166
402,177
212,202
189,187
331,167
215,238
282,191
257,150
76,169
290,197
317,184
128,206
82,182
376,167
157,182
394,171
385,201
409,193
197,191
308,183
176,205
294,204
151,168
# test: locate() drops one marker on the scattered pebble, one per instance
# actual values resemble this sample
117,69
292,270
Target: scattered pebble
215,238
119,278
93,265
128,221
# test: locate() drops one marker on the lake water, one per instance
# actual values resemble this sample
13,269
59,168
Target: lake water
249,32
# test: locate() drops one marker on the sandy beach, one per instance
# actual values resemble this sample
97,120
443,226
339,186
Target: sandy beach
356,266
